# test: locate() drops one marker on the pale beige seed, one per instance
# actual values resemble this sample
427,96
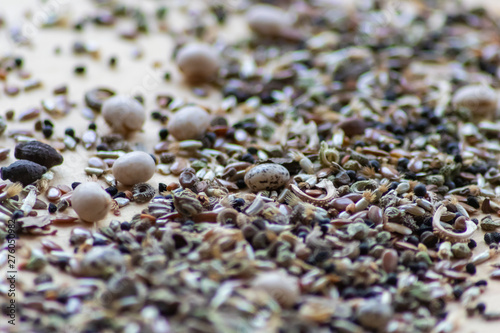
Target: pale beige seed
189,123
268,20
280,286
198,62
90,202
135,167
480,100
123,114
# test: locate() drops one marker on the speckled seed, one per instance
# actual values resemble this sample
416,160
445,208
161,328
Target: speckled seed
123,114
91,202
266,177
268,20
198,62
135,167
480,100
189,123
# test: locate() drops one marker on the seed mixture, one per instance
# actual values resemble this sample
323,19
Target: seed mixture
347,180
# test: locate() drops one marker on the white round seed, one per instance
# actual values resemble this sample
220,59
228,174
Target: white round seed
91,202
135,167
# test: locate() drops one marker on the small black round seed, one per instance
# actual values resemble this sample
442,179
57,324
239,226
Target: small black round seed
74,185
470,268
112,61
80,70
69,131
52,208
241,184
112,191
458,158
102,147
156,115
162,187
476,221
252,150
92,126
481,307
248,158
393,186
392,279
458,292
488,238
163,134
473,202
374,164
420,190
17,214
413,240
472,244
47,131
125,226
496,236
364,248
351,174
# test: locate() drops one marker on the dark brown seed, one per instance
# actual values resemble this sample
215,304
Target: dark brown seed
38,152
23,171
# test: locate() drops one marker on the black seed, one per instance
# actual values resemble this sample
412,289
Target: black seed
472,244
17,214
112,191
481,283
69,131
125,225
364,248
374,164
155,115
488,238
47,132
102,147
120,195
473,202
52,208
457,292
162,187
470,268
393,186
92,126
48,123
163,134
481,307
248,158
420,190
74,185
80,70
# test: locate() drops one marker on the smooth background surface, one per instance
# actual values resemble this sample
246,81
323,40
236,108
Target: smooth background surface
130,76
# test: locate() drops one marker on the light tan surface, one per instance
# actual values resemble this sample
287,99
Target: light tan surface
130,76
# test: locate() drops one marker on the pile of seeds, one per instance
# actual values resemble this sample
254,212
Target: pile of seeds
342,185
